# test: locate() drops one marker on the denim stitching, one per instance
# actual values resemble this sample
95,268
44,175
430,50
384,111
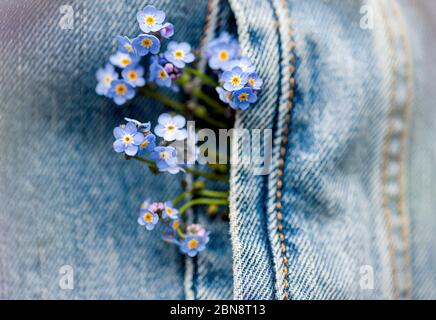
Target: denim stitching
403,141
288,59
387,142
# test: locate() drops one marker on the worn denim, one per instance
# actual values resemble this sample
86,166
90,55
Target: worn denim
353,156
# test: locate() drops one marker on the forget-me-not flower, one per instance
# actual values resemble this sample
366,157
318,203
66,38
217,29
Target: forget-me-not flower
105,76
224,95
244,63
222,54
148,218
167,30
254,81
121,91
122,60
125,46
128,139
134,75
170,212
150,19
171,128
159,75
148,144
142,127
234,79
165,158
192,244
243,98
179,54
146,43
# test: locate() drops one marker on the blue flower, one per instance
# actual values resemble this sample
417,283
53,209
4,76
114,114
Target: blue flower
224,38
128,139
145,44
134,75
192,244
148,218
225,96
254,81
222,54
166,159
148,144
159,75
171,128
167,30
244,63
242,98
174,224
121,91
105,76
234,79
126,46
195,240
179,54
142,127
150,19
170,212
122,60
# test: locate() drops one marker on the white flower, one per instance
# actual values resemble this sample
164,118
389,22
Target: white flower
171,128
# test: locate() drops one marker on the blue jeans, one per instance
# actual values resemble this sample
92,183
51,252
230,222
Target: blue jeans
346,212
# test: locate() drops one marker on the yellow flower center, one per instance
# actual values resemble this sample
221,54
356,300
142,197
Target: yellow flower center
128,47
223,55
243,97
175,224
125,61
120,89
150,20
163,155
235,80
162,74
148,217
192,244
169,211
144,144
127,139
252,82
107,80
171,127
132,75
178,54
146,42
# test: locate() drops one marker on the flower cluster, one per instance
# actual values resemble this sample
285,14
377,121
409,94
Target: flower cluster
191,241
136,139
163,69
237,75
137,67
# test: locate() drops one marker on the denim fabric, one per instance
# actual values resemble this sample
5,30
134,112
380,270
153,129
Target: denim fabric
335,204
65,197
353,156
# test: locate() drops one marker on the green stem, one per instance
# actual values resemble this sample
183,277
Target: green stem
202,201
180,197
217,107
207,175
178,106
206,79
213,193
145,160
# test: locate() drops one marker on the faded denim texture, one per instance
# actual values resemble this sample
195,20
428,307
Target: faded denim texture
353,156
